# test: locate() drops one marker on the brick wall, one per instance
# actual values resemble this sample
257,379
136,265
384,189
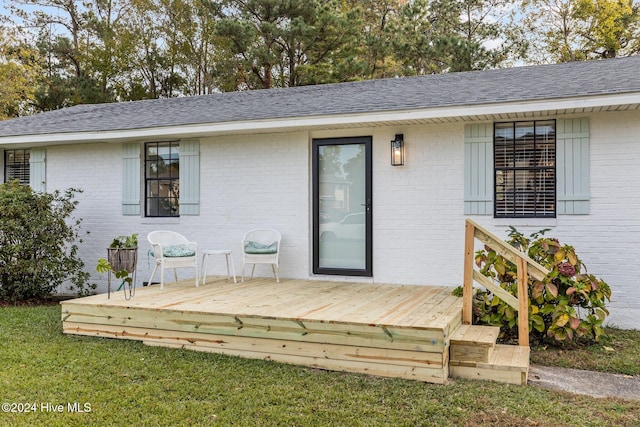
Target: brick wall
252,181
608,239
246,182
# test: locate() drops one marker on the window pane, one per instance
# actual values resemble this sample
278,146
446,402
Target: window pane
174,152
524,130
504,131
162,184
525,183
545,144
503,144
151,169
524,147
16,165
170,169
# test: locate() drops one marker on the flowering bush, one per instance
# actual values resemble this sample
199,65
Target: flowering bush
569,304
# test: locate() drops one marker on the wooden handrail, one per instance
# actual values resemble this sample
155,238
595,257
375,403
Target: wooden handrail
525,266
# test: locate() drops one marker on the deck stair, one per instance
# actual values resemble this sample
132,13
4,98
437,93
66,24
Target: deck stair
474,354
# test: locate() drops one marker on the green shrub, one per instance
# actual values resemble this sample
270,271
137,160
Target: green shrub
38,250
568,305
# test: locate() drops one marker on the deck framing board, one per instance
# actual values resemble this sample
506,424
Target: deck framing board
257,327
417,365
388,330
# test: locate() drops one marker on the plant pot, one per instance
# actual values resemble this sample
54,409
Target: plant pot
123,259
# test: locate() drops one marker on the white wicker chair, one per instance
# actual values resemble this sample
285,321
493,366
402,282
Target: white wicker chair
172,250
261,246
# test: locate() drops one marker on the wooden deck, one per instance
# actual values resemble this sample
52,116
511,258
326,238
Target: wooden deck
378,329
387,330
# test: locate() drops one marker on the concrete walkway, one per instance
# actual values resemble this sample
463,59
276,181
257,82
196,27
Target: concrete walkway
590,383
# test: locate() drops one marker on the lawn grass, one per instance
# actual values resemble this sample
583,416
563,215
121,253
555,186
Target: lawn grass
128,383
617,352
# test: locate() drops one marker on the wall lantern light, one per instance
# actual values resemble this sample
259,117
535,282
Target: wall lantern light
397,150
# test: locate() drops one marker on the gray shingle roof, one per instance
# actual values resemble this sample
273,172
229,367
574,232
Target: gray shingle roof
543,82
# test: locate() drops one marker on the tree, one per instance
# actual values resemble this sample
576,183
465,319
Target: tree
204,53
19,75
472,34
610,28
38,243
279,43
108,50
175,50
574,30
146,71
378,28
174,20
413,45
454,35
64,41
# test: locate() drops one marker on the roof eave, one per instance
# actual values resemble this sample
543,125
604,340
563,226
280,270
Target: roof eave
450,113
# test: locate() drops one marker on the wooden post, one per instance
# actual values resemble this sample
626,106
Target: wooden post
467,288
523,303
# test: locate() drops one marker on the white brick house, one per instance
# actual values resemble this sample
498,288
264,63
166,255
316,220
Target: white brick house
257,159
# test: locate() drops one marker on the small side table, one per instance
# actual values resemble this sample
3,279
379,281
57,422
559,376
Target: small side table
227,254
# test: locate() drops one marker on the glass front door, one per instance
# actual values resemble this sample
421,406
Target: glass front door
342,206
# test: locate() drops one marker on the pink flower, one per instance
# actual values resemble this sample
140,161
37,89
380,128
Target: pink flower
566,269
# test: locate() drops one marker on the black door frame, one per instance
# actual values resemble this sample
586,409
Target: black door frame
368,270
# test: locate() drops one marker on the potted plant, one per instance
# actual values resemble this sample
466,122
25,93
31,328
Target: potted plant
122,258
122,254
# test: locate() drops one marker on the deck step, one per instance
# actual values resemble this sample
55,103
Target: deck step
473,343
507,364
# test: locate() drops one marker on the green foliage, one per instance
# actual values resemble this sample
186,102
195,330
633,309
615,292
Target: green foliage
576,30
462,30
127,242
70,52
38,250
103,266
280,43
19,74
609,27
568,305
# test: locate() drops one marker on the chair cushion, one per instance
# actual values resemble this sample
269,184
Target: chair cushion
259,248
177,251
